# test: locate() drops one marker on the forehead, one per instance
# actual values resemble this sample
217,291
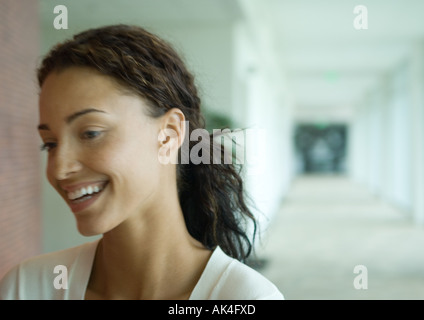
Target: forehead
72,84
74,89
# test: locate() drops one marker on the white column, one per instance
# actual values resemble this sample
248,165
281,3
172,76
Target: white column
399,140
375,141
365,142
386,179
358,151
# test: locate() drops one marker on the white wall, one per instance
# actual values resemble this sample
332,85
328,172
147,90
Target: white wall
268,110
387,138
416,85
208,51
401,139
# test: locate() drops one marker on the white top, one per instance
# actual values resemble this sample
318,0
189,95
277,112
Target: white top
224,278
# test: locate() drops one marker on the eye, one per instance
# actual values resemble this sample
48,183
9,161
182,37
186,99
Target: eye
48,146
90,134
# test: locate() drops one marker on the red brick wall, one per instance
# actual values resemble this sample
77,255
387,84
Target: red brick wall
20,174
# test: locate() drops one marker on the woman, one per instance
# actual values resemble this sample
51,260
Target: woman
114,103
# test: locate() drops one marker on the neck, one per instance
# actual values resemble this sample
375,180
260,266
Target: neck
150,256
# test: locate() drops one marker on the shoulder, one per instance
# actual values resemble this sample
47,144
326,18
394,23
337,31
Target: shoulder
225,278
241,282
34,278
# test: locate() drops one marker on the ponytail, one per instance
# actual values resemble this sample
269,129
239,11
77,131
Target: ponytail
213,201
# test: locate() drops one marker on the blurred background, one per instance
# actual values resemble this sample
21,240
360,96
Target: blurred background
338,94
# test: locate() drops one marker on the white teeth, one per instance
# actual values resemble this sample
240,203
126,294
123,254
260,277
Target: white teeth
84,191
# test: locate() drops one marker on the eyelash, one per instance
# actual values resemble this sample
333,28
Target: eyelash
47,146
86,135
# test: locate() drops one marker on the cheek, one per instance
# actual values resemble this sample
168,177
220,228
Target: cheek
127,162
134,179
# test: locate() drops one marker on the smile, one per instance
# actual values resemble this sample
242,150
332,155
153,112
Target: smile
86,191
84,197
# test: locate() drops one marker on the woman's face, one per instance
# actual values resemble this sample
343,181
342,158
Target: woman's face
102,148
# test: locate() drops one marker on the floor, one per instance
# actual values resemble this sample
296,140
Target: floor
327,226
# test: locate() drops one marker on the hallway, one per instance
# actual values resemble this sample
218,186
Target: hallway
328,225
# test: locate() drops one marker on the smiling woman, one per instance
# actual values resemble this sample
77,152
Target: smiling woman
169,231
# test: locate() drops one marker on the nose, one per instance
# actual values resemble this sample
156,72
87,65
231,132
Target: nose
64,163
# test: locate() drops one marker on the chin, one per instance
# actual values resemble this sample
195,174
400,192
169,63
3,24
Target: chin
90,229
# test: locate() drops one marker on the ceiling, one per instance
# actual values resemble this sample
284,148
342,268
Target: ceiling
329,65
93,12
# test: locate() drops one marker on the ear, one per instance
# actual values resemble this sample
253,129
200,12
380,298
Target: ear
171,135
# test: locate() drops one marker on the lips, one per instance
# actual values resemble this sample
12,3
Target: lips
81,196
87,190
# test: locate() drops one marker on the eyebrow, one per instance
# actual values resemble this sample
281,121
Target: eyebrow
71,117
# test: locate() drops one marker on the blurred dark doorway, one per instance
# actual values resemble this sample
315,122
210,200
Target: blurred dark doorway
321,148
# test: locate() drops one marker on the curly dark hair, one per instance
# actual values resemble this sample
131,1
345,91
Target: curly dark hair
212,196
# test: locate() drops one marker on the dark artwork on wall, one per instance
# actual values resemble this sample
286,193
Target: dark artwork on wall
321,148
